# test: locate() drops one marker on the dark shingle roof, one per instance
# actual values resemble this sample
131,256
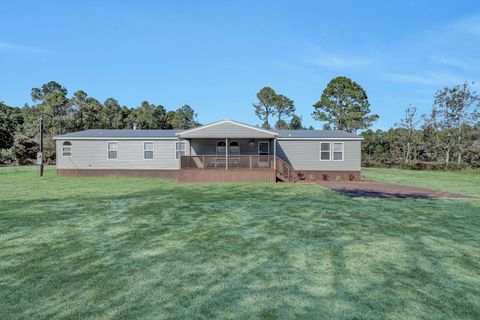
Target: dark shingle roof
315,134
108,133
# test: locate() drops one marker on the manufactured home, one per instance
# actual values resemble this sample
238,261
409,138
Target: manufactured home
223,151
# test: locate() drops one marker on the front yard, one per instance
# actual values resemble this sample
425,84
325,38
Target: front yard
116,247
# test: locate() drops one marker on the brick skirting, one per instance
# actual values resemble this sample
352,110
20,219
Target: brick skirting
163,174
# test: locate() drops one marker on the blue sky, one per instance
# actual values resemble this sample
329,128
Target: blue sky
215,55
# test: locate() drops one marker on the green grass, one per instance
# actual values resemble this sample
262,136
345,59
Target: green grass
462,182
116,247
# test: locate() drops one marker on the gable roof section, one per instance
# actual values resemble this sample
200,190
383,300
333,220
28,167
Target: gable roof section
227,129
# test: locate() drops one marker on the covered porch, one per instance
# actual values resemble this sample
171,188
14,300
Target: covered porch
228,154
227,151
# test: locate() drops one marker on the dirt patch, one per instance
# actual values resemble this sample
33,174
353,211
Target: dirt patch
373,189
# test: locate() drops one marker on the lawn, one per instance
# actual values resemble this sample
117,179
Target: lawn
116,247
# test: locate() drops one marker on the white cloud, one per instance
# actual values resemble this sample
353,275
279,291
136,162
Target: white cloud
14,48
449,62
469,25
432,78
338,61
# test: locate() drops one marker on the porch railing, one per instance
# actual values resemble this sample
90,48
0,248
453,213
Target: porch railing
227,163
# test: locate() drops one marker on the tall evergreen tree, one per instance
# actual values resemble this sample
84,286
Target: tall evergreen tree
344,105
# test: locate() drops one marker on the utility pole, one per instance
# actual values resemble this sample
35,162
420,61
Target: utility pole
40,154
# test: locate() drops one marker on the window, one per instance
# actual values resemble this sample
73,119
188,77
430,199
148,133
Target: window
221,148
112,148
234,148
147,150
67,149
263,148
338,151
324,151
180,149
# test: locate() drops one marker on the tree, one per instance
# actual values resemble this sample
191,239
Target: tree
184,118
112,116
344,104
147,116
284,107
407,127
458,106
51,101
296,123
264,108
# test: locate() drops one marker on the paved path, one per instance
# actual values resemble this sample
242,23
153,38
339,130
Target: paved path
373,189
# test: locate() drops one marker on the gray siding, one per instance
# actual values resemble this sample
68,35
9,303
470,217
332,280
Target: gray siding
227,130
92,154
305,155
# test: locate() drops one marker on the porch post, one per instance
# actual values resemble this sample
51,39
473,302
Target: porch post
179,142
274,153
226,153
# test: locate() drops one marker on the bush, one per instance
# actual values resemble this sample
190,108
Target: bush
7,157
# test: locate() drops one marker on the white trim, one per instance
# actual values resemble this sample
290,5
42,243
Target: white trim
115,138
258,146
216,146
239,150
329,151
153,149
333,151
226,121
68,146
179,143
108,158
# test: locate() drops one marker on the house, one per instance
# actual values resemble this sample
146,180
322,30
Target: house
223,151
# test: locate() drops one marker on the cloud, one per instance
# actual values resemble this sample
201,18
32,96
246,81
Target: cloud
449,62
338,61
432,78
469,25
20,49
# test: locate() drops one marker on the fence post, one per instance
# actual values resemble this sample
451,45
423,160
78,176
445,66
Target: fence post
203,162
250,162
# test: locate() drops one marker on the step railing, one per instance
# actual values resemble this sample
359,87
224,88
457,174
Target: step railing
285,170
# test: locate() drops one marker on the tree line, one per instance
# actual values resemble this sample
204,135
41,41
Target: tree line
19,127
447,137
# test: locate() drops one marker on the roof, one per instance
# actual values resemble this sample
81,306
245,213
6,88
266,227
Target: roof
227,129
109,133
318,134
224,128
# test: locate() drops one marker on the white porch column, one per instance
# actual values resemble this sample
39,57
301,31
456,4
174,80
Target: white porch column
274,153
226,153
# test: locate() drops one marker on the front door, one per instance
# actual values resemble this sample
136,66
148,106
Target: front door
263,150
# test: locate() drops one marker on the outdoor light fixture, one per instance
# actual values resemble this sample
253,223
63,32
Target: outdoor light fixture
252,142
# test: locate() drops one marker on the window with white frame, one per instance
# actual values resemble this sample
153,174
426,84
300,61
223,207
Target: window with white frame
234,148
66,149
338,151
221,145
325,151
180,149
112,148
148,150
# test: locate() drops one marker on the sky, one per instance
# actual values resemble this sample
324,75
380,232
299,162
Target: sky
216,55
